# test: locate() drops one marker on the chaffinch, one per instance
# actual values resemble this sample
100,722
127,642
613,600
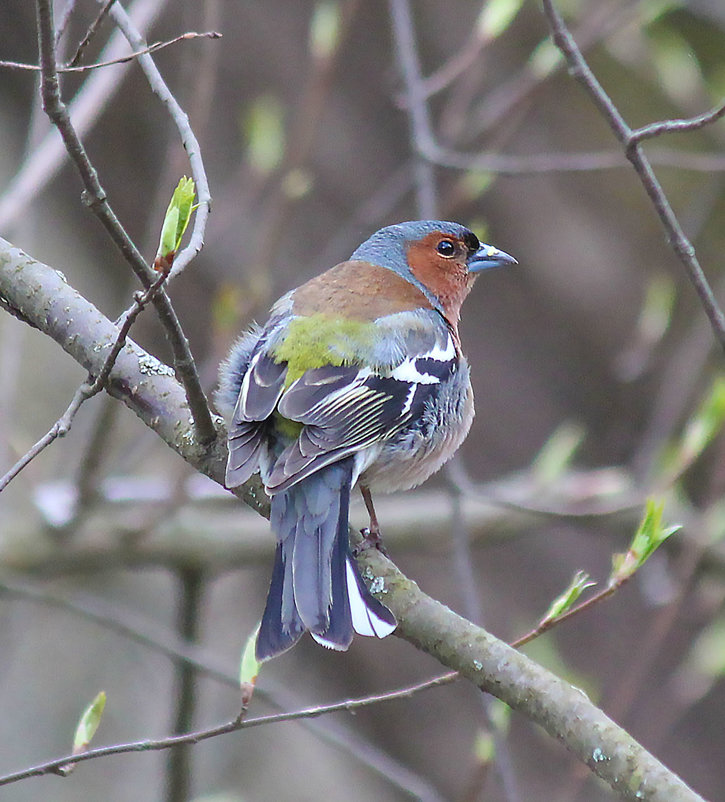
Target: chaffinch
357,377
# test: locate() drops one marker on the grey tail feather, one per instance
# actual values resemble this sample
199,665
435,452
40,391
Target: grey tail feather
274,637
309,588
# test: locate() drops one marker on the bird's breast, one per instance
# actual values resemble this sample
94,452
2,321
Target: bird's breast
426,444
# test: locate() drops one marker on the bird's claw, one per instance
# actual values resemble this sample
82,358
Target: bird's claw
371,539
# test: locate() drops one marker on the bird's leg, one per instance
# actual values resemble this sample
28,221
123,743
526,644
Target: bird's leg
372,537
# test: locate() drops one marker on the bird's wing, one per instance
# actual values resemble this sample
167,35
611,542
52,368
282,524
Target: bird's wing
346,408
260,391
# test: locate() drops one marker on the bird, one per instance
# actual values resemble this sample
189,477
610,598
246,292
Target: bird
356,378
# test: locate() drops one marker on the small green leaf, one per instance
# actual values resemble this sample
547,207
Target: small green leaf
476,183
88,723
656,313
707,656
704,424
563,603
167,243
175,222
499,714
677,67
558,452
484,748
496,16
653,10
249,667
650,535
264,127
325,29
544,59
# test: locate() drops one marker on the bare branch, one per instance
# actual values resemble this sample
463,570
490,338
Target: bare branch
188,139
563,711
239,723
147,388
158,639
145,384
48,155
95,198
675,235
677,126
89,388
91,32
57,766
153,48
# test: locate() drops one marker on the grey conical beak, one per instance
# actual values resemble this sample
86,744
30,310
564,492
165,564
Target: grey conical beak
488,256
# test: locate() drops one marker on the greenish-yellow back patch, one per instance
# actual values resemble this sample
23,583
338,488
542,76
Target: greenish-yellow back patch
289,429
321,339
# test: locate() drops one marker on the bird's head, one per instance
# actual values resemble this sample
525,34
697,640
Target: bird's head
441,258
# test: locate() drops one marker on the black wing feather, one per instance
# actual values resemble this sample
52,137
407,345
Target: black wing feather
358,409
261,389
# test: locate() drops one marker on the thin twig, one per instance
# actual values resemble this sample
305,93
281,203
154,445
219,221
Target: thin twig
681,245
91,32
153,48
191,146
421,129
95,198
48,154
548,623
90,387
462,60
584,162
677,126
65,17
161,641
239,723
58,765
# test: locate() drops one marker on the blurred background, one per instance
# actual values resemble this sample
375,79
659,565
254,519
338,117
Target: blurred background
588,361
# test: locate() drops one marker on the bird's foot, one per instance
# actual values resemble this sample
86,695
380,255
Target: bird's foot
371,539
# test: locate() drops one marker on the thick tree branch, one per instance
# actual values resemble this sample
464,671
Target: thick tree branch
92,386
147,387
563,711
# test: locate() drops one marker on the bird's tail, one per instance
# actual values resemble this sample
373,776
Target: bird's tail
316,584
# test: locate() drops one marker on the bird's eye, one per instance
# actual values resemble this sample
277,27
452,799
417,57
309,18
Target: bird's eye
446,248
